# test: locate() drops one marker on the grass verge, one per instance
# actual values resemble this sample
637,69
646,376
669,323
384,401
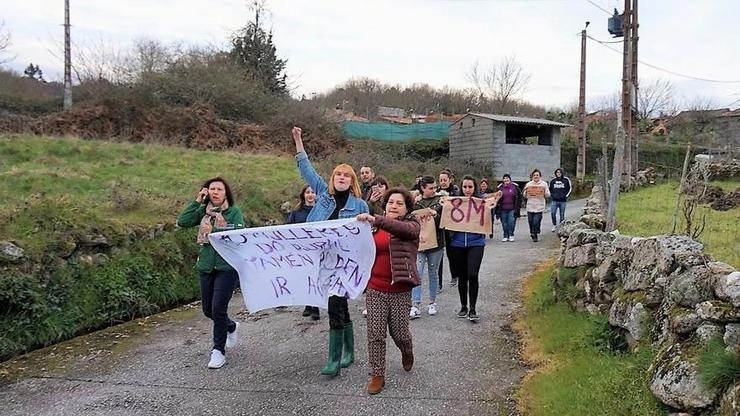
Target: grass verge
573,373
649,211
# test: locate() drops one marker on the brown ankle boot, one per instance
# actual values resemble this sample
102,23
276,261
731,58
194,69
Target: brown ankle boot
407,359
376,384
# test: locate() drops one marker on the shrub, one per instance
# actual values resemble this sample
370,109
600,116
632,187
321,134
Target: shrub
718,368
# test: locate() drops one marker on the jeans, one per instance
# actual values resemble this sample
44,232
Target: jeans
216,289
554,207
466,264
432,258
508,222
534,219
338,312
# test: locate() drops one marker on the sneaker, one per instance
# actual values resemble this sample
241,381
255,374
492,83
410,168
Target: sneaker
473,316
553,229
439,290
414,313
232,338
432,309
453,283
463,312
364,313
218,359
511,239
535,238
505,239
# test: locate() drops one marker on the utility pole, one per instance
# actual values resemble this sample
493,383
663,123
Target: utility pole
581,159
626,160
67,60
635,90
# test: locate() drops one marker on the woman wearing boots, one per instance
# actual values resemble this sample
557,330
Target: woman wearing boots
536,191
297,216
213,210
393,276
340,198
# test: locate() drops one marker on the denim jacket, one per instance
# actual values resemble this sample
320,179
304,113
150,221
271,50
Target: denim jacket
325,203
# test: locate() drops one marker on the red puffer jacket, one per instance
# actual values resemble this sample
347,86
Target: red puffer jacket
404,247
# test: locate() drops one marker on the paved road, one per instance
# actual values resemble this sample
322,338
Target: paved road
157,366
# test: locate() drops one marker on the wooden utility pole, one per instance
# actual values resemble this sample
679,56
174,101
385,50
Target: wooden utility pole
635,155
619,148
67,60
626,160
581,159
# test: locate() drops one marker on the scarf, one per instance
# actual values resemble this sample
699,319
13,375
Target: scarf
213,218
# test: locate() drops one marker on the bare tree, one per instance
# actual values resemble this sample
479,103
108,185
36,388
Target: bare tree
5,42
501,82
656,98
99,60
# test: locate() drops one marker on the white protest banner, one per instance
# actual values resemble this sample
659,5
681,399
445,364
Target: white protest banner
299,264
468,214
428,234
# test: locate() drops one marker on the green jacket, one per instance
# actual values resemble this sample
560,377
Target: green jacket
208,259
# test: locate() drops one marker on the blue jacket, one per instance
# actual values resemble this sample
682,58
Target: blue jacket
461,239
325,203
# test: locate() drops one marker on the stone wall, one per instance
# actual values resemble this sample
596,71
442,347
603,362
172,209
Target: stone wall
662,290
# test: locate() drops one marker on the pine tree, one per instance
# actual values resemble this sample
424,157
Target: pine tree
252,49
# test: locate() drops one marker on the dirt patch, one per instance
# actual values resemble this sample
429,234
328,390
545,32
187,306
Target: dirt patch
719,200
192,127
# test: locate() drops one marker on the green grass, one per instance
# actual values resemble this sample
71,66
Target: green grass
59,192
576,374
718,368
649,211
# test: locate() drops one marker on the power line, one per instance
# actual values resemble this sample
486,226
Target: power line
664,69
600,8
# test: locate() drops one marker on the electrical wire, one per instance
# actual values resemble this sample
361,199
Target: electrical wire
600,8
664,69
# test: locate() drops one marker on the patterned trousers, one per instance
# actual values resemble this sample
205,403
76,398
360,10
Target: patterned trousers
391,311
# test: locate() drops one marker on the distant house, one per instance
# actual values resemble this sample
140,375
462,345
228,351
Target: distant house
514,145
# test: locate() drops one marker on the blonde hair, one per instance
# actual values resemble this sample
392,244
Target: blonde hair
345,168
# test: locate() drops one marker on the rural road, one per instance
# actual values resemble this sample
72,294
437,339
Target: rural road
157,365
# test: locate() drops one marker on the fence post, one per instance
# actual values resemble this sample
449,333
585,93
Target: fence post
680,187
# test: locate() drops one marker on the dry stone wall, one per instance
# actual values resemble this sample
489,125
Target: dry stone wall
662,290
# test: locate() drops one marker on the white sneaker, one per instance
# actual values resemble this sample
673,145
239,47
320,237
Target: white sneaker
414,313
432,309
217,359
553,229
511,238
505,239
232,338
364,313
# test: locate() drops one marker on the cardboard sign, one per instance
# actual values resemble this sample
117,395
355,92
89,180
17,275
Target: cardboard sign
536,192
468,214
428,234
299,264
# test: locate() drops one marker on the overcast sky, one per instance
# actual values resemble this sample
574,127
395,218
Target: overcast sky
405,41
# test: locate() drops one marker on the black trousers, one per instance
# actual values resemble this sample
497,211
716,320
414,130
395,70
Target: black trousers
338,312
447,237
465,263
216,289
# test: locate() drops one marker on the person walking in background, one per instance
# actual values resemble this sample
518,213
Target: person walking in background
536,192
340,198
509,206
299,215
559,192
466,254
396,237
213,210
485,190
378,186
447,187
367,174
428,208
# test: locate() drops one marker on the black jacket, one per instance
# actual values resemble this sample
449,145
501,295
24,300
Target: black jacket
560,189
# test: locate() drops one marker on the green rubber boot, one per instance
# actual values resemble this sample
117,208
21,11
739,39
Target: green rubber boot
349,346
335,353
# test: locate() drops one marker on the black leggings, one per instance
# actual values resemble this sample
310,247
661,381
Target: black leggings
465,263
338,312
216,289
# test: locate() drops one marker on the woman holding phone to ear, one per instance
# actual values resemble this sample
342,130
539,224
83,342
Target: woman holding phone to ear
213,210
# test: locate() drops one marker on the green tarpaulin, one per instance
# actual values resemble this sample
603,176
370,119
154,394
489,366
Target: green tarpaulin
396,132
